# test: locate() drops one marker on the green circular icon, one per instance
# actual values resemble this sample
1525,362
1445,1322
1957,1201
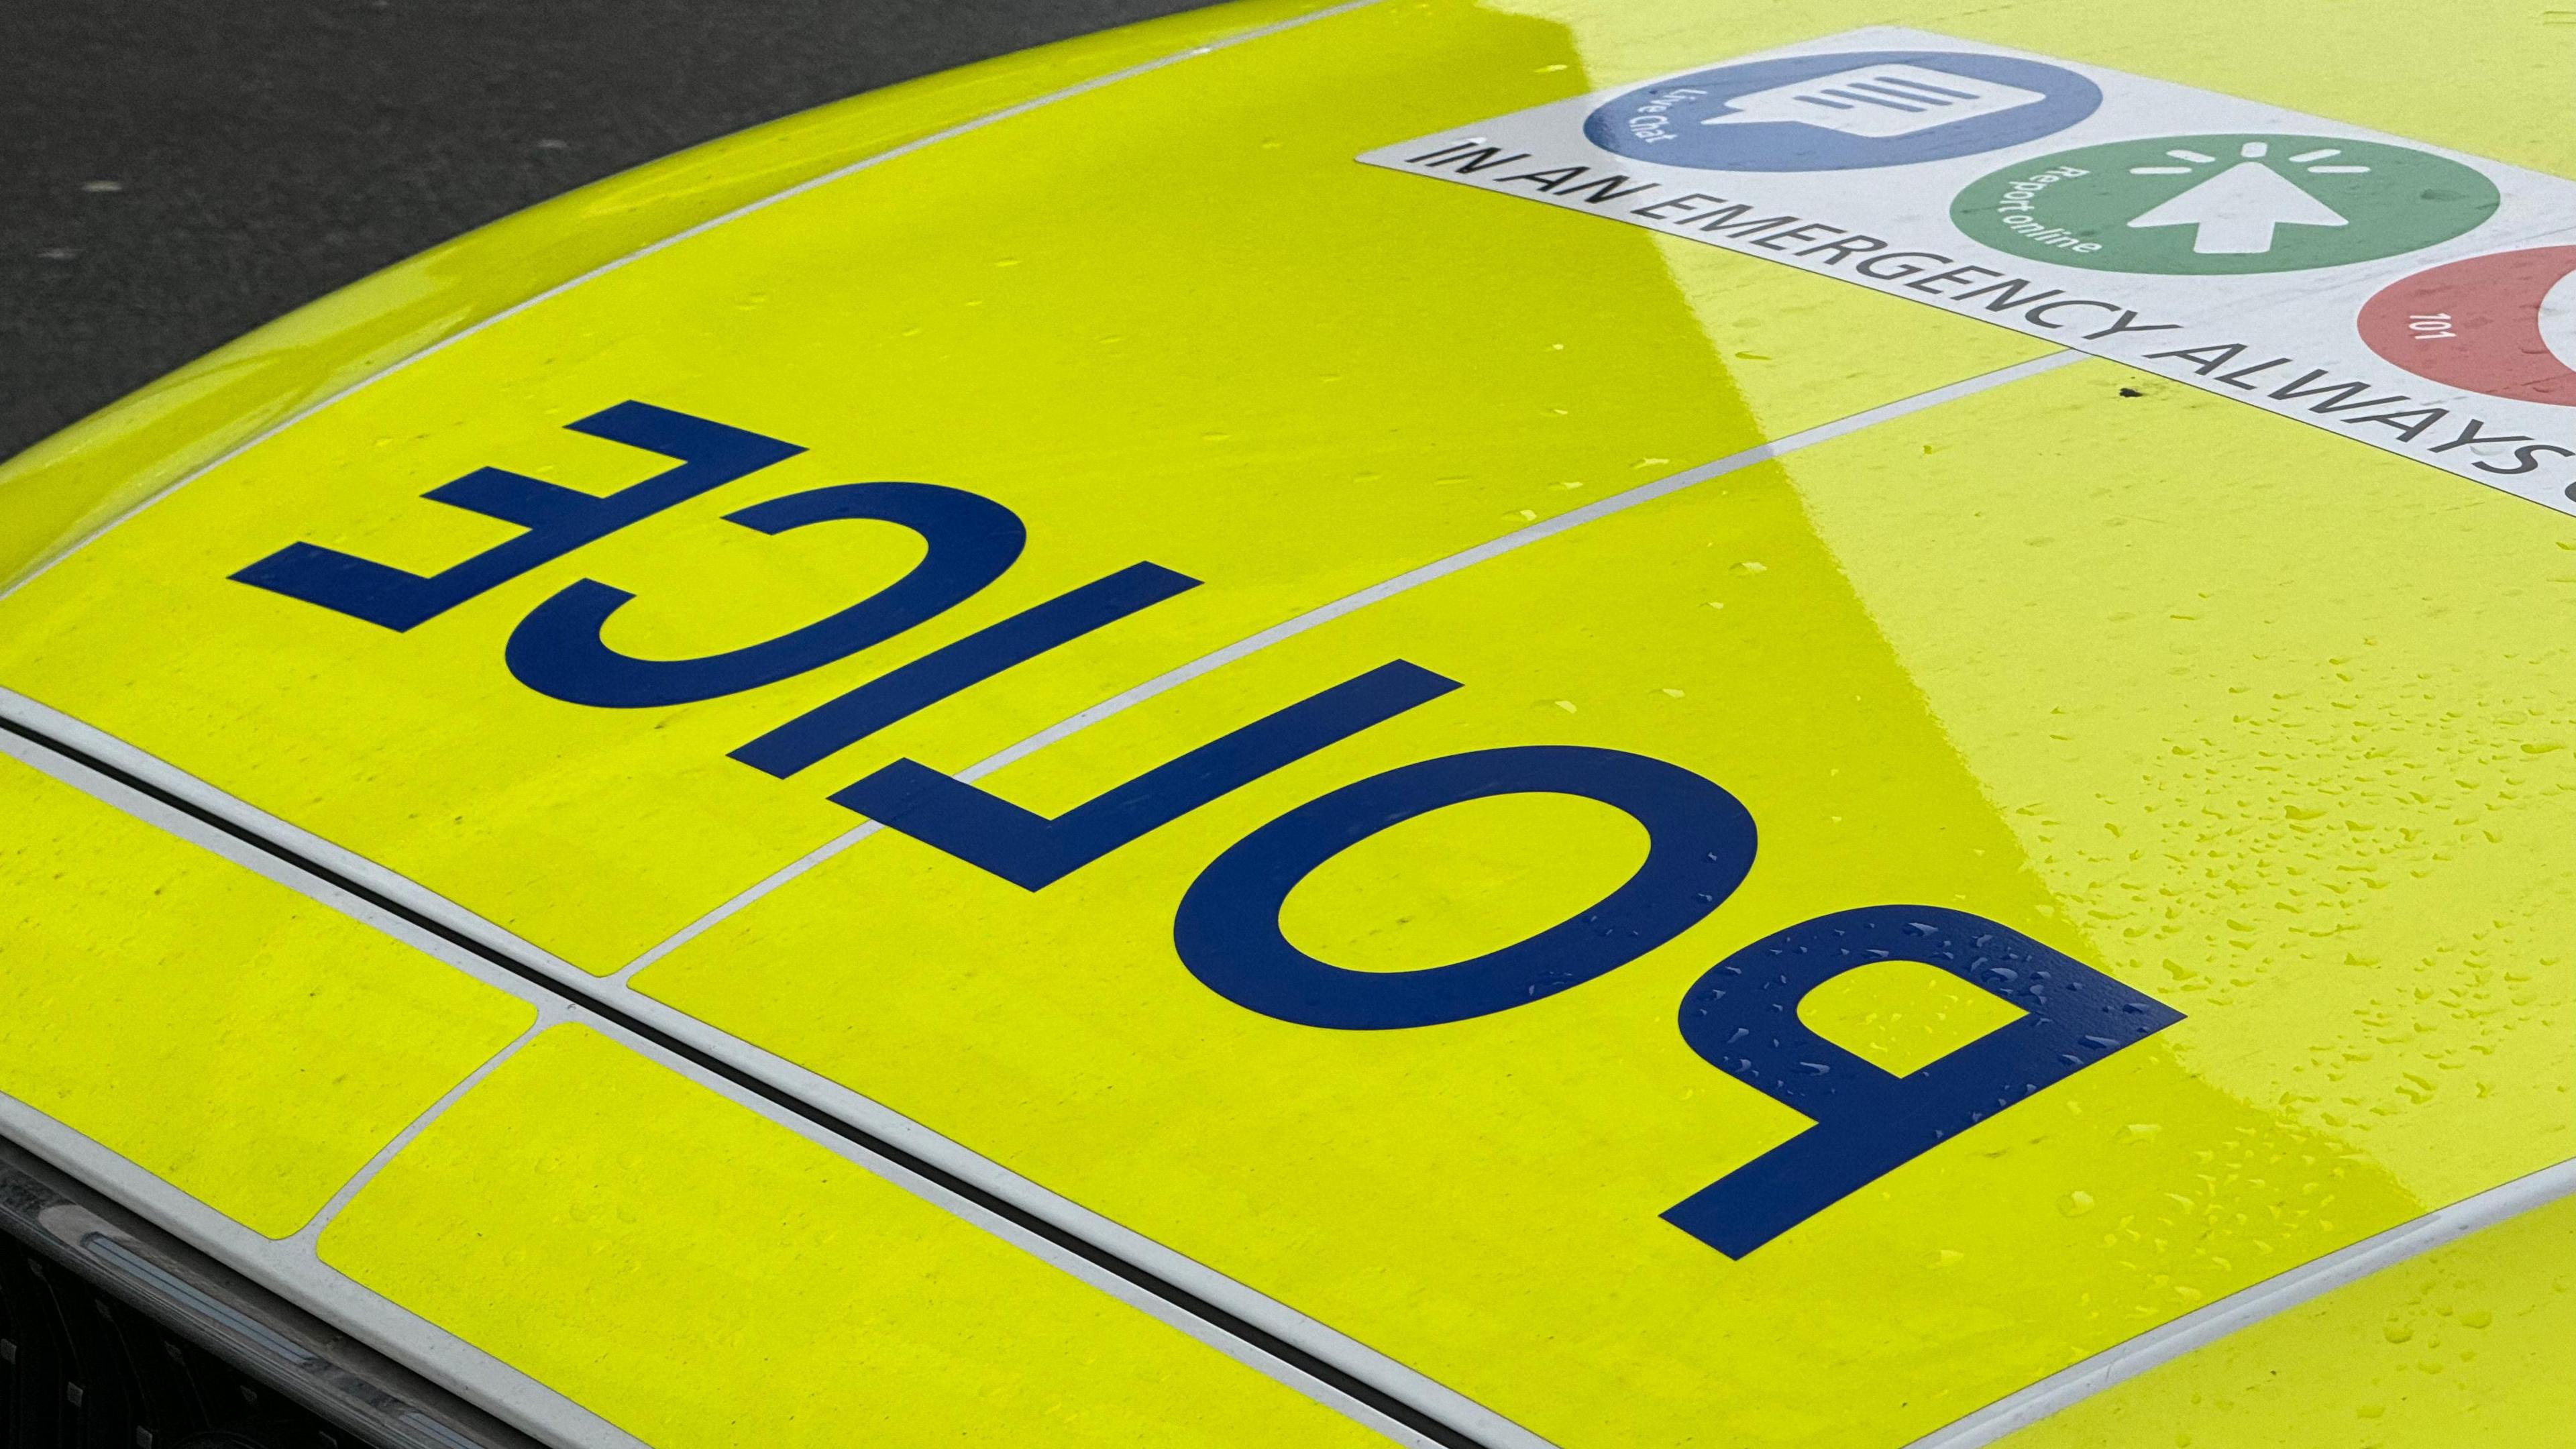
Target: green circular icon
2224,204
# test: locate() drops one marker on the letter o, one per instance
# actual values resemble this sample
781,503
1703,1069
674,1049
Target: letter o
1701,842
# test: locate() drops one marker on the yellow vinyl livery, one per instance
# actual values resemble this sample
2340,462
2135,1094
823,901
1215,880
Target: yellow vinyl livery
2468,1341
519,987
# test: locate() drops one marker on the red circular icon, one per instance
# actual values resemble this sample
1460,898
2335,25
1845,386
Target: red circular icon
2503,325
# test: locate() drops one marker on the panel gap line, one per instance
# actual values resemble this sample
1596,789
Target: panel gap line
1304,1354
609,1001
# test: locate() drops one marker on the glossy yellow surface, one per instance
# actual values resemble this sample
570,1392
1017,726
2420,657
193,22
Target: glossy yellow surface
219,1030
2257,720
1287,423
729,1283
2472,1344
2332,792
83,478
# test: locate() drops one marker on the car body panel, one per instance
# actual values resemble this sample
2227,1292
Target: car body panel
1348,454
1395,1183
2265,728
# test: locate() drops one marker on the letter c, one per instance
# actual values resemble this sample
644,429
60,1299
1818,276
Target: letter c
557,649
2036,320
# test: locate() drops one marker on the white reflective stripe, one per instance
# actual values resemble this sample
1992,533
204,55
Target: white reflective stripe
1518,538
291,1269
2248,1306
674,239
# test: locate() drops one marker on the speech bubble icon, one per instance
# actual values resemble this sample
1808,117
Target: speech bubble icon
1877,101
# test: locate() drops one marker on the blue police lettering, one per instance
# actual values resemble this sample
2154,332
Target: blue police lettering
1032,851
557,520
1227,928
839,723
557,650
1742,1018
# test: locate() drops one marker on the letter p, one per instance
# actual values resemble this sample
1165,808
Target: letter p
1742,1018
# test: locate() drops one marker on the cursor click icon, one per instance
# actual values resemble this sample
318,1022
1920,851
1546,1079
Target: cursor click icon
2224,204
2238,209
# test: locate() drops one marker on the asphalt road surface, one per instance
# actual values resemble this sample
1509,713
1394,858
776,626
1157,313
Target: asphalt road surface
180,172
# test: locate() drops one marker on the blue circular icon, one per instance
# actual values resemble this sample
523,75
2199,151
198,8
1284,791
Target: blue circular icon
1843,112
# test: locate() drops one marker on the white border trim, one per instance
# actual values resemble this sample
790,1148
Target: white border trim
548,1018
2248,1306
